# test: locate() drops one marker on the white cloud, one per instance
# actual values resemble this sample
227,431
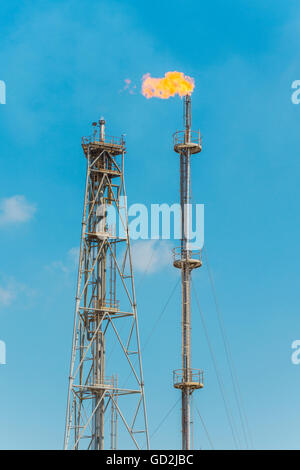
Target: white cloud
10,290
73,255
7,295
151,255
69,264
15,209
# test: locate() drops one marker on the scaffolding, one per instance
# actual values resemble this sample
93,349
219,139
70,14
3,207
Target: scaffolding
106,347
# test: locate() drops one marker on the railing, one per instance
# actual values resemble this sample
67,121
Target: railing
182,137
181,377
110,303
110,140
106,381
180,254
93,383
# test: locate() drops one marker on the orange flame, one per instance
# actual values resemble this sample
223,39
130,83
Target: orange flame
171,84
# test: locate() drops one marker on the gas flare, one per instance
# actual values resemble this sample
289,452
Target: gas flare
171,84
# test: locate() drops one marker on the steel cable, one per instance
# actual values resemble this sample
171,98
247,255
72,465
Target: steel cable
219,379
233,374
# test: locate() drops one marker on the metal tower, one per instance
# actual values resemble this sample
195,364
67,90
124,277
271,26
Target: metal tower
186,143
106,390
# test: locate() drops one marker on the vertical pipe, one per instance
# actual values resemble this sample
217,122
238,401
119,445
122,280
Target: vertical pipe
100,340
102,130
185,164
99,414
114,413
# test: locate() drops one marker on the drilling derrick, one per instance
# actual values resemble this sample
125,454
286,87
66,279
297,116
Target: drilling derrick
186,143
106,402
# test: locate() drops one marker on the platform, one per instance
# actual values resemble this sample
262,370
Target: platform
191,142
192,258
191,379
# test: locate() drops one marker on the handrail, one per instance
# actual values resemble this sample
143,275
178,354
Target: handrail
193,375
109,140
179,253
179,138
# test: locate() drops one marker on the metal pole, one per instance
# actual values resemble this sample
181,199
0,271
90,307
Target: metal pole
187,380
185,164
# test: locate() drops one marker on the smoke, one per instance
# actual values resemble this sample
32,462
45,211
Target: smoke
129,86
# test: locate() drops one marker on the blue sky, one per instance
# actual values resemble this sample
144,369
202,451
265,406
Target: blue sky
64,64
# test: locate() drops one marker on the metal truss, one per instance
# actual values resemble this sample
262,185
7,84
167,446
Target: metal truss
106,401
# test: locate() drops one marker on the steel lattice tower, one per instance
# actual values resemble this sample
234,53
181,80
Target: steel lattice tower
186,143
106,389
